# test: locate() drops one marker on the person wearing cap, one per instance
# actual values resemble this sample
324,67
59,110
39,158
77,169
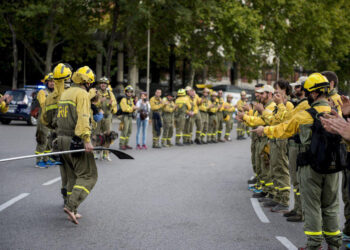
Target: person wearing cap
142,117
229,109
241,128
156,107
183,109
334,97
279,171
168,120
319,192
265,109
220,116
204,104
213,119
108,104
42,132
296,215
127,106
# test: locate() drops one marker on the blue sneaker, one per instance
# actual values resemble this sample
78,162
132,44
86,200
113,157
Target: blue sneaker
257,191
41,164
346,238
347,246
251,188
52,162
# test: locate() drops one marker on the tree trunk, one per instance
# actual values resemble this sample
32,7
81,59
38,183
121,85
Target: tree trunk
112,39
133,74
49,52
184,63
120,73
99,59
172,61
15,54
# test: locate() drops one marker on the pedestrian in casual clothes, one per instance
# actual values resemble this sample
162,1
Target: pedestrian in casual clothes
142,117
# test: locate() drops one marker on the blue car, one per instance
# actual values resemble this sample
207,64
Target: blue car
20,106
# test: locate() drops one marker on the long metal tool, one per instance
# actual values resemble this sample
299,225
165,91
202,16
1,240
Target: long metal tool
121,155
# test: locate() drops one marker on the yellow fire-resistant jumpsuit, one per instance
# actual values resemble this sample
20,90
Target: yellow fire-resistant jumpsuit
241,126
183,108
42,132
156,107
49,119
319,192
263,148
229,109
168,122
335,97
204,112
127,106
293,151
213,123
188,129
197,118
73,119
220,117
109,107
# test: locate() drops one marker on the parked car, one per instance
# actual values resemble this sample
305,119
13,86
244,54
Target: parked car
19,108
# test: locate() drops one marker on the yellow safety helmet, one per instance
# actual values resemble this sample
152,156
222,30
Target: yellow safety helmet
62,71
128,88
103,80
227,118
316,81
243,93
188,88
83,75
181,92
229,96
47,78
206,90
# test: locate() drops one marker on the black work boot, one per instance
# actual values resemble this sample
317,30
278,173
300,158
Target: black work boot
295,218
259,195
270,203
290,213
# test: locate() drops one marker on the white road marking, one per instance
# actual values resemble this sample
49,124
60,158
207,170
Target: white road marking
259,212
51,181
13,201
289,245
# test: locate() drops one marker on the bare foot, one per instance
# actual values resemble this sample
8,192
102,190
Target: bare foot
71,216
78,216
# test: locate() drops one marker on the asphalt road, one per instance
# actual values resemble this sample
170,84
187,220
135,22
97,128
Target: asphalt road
192,197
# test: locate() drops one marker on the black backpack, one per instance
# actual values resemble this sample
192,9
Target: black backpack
327,153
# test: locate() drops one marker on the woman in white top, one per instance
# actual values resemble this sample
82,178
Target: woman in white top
142,117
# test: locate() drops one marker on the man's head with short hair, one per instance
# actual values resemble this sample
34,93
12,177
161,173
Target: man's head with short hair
283,87
158,93
332,78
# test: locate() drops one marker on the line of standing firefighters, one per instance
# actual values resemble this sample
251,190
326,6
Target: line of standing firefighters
208,115
286,134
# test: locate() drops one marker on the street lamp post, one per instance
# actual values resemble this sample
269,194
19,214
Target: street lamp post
148,57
